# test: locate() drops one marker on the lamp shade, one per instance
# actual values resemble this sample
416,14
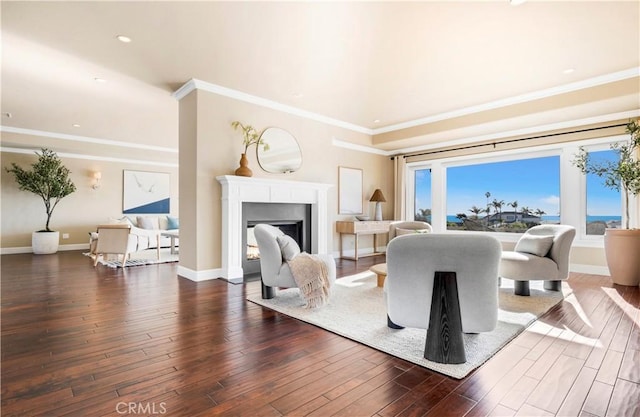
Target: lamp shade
378,196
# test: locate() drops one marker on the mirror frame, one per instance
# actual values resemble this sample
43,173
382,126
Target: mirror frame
288,149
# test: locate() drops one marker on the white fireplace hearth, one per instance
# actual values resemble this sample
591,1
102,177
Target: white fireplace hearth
237,190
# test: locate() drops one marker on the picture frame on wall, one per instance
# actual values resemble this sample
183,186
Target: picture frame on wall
146,192
349,190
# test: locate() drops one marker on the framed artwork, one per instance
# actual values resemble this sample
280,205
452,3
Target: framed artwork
146,192
349,190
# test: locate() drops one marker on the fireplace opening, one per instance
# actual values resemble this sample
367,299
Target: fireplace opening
293,219
290,228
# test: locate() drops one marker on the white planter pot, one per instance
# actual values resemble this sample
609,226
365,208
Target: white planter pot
45,242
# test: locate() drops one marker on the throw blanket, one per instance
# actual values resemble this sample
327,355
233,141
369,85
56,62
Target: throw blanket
311,276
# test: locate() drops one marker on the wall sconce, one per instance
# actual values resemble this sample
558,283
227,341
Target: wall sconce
378,198
97,176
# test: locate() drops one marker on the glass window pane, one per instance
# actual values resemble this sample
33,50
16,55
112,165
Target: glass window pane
604,205
422,192
509,196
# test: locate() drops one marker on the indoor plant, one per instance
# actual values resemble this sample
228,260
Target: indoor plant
622,246
250,137
49,180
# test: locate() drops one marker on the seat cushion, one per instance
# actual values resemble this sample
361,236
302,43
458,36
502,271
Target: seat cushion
521,266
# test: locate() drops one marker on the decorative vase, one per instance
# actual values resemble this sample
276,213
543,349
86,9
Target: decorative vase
622,247
45,242
244,170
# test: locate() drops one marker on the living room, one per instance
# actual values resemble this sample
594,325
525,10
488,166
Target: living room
359,85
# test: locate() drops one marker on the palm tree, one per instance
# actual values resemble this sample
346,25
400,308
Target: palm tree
498,206
514,205
476,210
539,213
525,210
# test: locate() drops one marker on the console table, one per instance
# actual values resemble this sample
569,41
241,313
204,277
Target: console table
357,228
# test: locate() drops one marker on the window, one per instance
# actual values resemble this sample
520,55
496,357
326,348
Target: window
422,192
604,209
506,196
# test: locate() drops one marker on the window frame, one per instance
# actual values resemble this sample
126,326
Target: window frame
573,200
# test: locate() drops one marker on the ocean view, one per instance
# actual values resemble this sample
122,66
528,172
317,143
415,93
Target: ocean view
555,219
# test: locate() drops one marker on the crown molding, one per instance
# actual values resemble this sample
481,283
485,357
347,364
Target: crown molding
360,148
92,157
195,84
85,139
523,132
536,95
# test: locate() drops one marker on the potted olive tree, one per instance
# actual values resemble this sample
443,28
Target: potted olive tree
49,180
622,246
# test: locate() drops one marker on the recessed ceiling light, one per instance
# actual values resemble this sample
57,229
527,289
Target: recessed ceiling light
75,125
516,2
123,38
568,71
376,121
298,95
100,80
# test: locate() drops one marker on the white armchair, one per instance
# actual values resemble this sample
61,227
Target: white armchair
542,253
416,264
274,269
400,228
115,239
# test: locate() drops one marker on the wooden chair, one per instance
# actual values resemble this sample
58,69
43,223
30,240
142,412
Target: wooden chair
115,239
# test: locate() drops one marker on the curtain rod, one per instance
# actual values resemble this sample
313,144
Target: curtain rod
479,145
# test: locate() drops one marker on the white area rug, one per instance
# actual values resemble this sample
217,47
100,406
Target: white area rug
357,311
144,257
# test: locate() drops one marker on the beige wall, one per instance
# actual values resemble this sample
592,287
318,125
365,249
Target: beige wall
76,214
215,150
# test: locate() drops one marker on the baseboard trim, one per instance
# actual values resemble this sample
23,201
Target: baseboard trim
29,249
198,276
589,269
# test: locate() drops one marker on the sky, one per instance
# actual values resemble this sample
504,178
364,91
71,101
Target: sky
533,183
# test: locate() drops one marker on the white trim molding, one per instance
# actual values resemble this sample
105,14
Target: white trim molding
522,98
198,276
237,190
85,139
195,84
360,148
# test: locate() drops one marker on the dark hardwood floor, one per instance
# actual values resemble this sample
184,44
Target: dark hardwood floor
91,342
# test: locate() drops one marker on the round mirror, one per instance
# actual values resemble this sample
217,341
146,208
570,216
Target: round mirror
281,153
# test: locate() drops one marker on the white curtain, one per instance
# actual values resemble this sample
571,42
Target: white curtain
399,202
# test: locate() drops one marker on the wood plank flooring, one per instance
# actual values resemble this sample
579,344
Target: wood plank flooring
84,341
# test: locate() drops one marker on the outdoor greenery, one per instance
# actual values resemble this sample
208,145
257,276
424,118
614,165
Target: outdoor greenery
48,179
496,218
249,136
623,174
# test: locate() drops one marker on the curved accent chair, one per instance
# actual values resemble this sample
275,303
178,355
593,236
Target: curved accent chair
400,228
417,267
274,270
542,253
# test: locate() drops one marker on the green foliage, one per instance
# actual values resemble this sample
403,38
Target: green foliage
249,136
623,174
48,179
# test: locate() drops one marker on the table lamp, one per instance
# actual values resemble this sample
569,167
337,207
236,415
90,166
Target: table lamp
378,198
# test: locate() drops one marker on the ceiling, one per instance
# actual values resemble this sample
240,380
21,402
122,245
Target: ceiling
411,74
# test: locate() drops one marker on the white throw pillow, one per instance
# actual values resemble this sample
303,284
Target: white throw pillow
149,223
535,245
400,232
122,220
288,246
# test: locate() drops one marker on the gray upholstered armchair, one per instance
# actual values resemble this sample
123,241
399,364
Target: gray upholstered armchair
415,264
542,253
275,250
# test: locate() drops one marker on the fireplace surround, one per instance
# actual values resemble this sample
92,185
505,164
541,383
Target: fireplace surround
238,190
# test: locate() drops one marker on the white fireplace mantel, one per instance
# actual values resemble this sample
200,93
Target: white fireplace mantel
237,190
